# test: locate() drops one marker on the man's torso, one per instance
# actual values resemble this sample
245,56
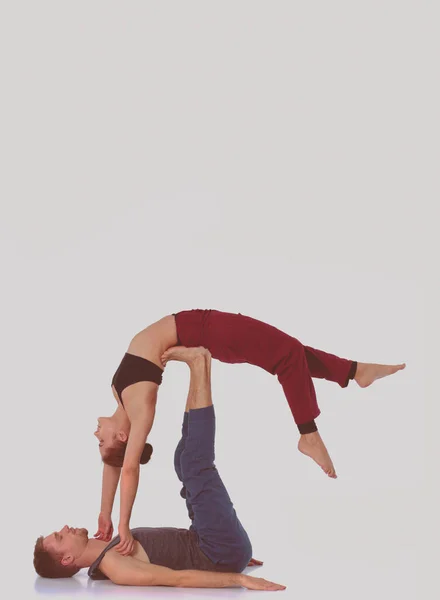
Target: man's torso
164,546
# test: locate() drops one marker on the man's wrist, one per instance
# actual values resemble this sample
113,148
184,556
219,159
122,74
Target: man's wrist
238,579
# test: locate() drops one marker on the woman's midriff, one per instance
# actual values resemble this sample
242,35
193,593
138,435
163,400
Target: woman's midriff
151,343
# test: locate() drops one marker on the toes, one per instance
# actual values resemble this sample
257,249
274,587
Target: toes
330,471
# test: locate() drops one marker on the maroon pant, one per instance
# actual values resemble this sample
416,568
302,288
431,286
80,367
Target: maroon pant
234,338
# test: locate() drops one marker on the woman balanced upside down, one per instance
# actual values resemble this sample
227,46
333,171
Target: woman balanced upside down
230,338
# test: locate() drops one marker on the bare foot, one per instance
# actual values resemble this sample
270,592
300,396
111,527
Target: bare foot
367,373
311,444
184,354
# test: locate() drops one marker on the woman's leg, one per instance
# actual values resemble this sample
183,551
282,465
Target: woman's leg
323,365
238,339
234,338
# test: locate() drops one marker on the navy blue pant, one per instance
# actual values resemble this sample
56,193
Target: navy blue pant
222,537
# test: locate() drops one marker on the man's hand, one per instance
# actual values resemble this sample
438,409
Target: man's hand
126,544
105,527
254,563
257,583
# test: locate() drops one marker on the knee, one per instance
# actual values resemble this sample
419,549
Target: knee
292,353
245,556
196,457
247,551
196,466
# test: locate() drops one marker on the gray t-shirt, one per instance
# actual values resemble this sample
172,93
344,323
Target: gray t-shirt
165,546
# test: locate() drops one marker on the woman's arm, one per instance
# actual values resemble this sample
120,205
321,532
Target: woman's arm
141,415
110,480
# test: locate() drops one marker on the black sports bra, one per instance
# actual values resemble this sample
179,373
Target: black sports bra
134,369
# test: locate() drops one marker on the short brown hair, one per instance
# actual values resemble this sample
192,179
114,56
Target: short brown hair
48,564
114,456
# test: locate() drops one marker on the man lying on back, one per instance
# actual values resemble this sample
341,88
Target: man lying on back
212,553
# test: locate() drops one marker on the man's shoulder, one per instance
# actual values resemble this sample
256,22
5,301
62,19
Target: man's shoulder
113,563
127,570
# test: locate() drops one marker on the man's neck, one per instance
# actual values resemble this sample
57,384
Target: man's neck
91,553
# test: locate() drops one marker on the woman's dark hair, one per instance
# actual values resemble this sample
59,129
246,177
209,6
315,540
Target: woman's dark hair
114,456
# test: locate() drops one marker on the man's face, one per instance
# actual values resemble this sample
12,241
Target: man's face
68,543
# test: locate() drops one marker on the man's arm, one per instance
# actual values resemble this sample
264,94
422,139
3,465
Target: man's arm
126,570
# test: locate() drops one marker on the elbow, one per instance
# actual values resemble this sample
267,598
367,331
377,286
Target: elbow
118,580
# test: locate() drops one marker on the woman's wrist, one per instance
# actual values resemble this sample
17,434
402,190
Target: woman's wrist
124,524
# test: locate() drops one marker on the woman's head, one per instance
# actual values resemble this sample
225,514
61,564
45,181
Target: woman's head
107,433
113,443
114,455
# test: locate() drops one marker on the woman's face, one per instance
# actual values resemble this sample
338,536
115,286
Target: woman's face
104,433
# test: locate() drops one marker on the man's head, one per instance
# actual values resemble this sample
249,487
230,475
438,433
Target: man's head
59,554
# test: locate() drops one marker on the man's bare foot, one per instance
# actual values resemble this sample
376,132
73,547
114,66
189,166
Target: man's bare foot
184,354
367,373
311,444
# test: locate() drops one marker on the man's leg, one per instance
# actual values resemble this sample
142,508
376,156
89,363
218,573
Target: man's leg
181,445
221,535
177,466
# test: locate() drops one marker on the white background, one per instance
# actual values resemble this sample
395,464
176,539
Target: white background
271,158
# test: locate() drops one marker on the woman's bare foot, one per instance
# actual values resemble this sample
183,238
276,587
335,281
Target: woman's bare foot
367,373
184,354
311,444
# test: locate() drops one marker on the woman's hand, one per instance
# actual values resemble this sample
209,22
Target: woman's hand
105,527
126,544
